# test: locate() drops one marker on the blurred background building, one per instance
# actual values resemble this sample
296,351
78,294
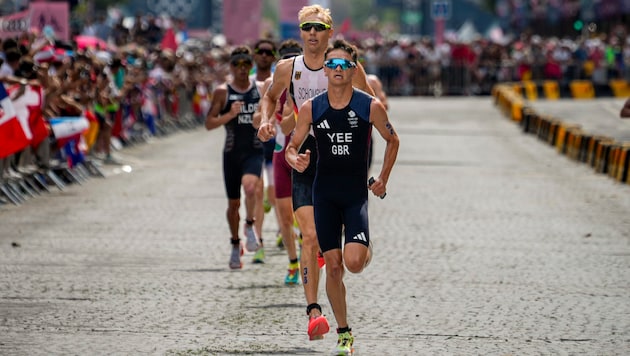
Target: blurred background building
386,18
417,47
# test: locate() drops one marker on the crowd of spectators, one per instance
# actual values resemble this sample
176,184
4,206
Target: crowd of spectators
127,89
472,67
134,84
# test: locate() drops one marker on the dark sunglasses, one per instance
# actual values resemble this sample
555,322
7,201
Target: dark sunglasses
318,26
269,52
241,63
333,63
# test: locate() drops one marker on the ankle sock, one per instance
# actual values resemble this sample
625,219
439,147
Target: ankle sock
313,306
343,330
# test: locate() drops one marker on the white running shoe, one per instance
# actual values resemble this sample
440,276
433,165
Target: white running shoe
235,257
252,240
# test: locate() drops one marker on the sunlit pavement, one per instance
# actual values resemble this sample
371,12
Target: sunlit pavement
488,243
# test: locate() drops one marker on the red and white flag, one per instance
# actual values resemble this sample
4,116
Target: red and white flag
14,134
29,108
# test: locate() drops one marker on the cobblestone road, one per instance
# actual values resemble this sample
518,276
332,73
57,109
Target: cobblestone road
488,243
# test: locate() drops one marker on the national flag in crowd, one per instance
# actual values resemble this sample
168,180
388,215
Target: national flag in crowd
66,129
169,41
93,126
29,110
346,26
14,135
201,101
68,132
73,153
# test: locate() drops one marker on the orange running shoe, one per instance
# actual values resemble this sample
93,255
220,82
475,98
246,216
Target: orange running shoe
317,327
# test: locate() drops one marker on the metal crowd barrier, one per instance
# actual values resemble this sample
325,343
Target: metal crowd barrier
417,78
29,173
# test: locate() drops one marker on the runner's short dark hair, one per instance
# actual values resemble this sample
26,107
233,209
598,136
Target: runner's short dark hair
343,45
265,40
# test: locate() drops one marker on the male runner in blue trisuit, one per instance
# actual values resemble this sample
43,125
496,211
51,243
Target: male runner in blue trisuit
341,119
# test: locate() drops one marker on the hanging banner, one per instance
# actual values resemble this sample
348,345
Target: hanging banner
13,25
51,15
289,10
241,21
289,18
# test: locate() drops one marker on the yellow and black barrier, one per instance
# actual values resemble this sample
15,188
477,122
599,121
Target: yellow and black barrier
574,138
508,101
619,160
620,88
575,89
582,89
551,89
565,136
624,161
603,154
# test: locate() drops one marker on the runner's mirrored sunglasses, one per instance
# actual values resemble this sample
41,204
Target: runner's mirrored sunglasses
333,63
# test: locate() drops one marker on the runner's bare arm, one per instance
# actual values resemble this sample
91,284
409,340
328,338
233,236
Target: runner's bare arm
380,120
288,117
219,98
360,80
281,80
258,114
377,86
299,161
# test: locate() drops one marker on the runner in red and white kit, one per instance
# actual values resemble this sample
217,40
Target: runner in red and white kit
282,171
